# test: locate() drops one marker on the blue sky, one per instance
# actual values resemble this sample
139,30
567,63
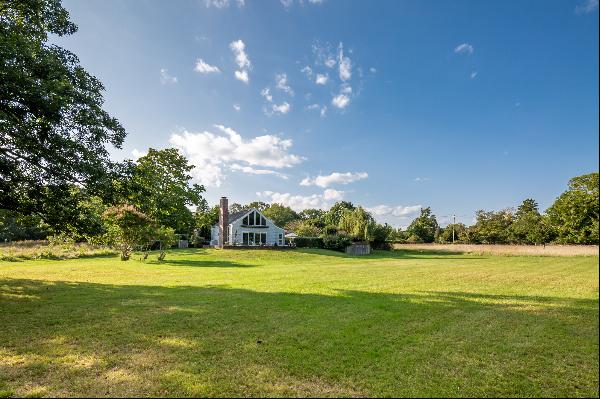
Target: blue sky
457,105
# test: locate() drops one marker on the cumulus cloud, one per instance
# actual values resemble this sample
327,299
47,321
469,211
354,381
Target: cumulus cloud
340,101
165,78
345,64
237,107
213,153
283,108
281,84
321,79
317,107
205,68
398,211
253,171
242,76
287,3
373,70
586,7
330,62
334,178
473,74
302,202
241,59
464,48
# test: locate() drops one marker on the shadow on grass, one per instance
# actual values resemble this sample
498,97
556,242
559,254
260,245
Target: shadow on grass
201,263
93,339
392,254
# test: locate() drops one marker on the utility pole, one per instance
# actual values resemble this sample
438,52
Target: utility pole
453,225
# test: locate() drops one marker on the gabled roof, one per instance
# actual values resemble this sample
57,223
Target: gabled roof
238,215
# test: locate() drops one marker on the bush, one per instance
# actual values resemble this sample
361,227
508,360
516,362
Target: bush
336,242
308,242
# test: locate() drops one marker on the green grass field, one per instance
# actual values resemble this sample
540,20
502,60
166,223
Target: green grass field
300,323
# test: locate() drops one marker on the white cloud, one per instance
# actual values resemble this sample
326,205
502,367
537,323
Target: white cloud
283,108
287,3
330,62
165,78
266,93
302,202
252,171
340,101
373,70
241,59
220,4
314,107
323,111
307,71
334,178
281,80
473,74
420,179
137,154
237,107
321,79
464,48
211,153
398,211
345,64
586,7
242,75
205,68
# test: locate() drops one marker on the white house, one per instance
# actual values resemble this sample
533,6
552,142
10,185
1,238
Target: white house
249,227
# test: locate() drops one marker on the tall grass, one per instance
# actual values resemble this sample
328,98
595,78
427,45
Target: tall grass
52,249
481,249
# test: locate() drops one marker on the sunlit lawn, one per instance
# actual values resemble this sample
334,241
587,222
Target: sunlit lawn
311,323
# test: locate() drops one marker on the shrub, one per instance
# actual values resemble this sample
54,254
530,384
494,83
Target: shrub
308,242
336,242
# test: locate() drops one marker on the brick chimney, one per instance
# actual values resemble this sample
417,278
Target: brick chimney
223,221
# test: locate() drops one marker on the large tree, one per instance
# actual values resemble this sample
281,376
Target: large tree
161,188
424,227
53,130
574,215
280,214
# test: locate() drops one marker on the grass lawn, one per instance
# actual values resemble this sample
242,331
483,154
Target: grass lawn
300,323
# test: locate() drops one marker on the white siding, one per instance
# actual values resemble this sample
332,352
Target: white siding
271,229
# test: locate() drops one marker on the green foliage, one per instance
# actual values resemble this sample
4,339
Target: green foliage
281,215
460,233
357,223
162,189
167,238
382,234
492,227
16,226
529,227
54,130
333,216
205,218
336,242
308,242
304,228
574,215
423,228
127,228
315,217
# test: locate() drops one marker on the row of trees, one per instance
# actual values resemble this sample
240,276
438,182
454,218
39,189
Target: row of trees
572,219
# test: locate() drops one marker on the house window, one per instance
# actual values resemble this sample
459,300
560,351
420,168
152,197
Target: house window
280,239
245,238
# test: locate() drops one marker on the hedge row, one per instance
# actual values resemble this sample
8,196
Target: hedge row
333,242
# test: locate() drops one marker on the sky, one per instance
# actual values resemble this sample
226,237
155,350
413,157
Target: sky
392,105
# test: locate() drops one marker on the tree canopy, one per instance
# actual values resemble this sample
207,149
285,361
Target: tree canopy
54,132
